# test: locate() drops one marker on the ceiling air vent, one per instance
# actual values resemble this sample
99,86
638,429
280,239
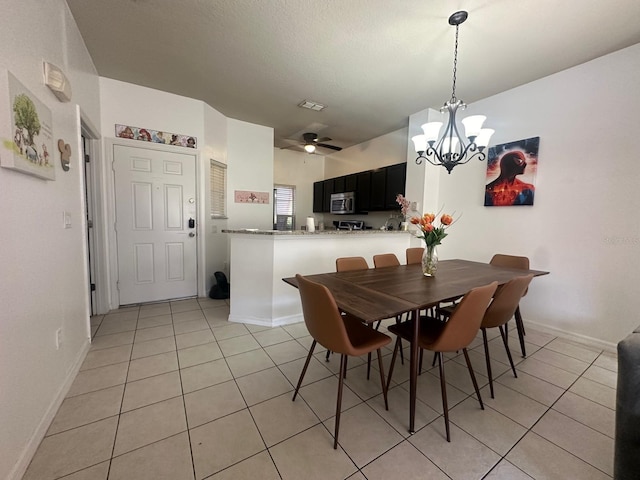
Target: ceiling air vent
311,105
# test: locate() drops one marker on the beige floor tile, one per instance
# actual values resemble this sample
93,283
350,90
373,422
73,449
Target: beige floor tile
235,345
458,375
141,427
310,456
403,461
549,373
90,407
107,356
153,333
535,337
187,305
116,326
154,365
97,472
94,330
527,455
153,347
315,371
96,320
204,375
429,392
99,378
154,310
191,326
364,435
272,336
479,363
306,342
297,330
574,349
462,458
498,353
211,403
560,360
73,450
286,352
217,315
168,459
495,430
607,360
113,340
535,388
230,331
584,442
151,390
398,414
155,321
595,391
193,339
601,375
263,385
280,418
122,314
256,328
585,411
506,471
357,381
334,360
224,442
321,396
191,356
259,466
188,316
357,476
249,362
518,407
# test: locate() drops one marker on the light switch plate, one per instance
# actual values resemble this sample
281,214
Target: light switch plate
67,219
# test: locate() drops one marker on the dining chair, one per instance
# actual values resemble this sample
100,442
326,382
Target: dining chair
385,260
522,263
502,307
414,255
344,335
453,335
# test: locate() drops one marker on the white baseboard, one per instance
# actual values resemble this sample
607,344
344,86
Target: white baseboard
29,451
576,337
263,322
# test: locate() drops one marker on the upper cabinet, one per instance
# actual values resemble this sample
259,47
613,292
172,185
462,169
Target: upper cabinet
375,189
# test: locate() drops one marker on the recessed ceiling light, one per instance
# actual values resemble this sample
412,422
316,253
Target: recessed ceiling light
311,105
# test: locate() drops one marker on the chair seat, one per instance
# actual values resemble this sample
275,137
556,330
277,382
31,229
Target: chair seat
364,339
430,330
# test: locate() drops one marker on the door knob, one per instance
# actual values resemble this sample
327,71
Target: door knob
191,234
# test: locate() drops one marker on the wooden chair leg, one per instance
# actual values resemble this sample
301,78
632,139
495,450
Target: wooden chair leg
505,340
487,359
443,390
473,377
384,388
328,353
304,369
343,369
520,327
398,320
393,361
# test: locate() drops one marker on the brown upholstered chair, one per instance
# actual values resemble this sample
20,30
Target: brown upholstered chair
522,263
343,335
414,255
385,260
346,264
451,336
503,306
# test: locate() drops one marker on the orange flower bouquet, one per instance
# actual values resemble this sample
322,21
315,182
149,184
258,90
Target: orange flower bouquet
432,236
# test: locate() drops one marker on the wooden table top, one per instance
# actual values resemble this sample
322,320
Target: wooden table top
379,293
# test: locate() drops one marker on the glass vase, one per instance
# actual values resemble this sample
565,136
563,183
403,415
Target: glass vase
430,261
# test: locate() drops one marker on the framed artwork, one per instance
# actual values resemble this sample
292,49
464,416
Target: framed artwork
242,196
156,136
26,130
511,173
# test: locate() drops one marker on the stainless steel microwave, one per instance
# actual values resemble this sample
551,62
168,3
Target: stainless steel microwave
342,203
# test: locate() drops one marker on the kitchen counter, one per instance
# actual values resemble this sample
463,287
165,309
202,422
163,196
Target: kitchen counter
255,231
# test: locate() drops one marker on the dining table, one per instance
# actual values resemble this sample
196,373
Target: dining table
381,293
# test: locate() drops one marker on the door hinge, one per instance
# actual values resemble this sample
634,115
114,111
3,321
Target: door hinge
90,223
93,287
87,158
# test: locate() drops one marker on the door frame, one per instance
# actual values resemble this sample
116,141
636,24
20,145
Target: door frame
110,218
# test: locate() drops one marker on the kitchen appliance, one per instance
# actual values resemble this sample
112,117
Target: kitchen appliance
350,225
343,203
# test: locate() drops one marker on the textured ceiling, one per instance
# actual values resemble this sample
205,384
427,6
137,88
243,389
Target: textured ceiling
371,62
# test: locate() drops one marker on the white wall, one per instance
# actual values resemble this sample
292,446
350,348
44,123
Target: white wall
43,284
584,225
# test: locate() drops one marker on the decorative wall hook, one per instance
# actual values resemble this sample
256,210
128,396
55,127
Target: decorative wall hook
65,154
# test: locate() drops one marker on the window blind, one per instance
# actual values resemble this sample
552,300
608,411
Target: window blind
284,207
218,187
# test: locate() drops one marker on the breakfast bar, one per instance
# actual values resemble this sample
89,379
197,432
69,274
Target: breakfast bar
260,259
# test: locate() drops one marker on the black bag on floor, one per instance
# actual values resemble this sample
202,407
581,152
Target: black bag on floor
221,289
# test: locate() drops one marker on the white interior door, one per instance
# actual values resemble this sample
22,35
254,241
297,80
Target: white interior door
155,224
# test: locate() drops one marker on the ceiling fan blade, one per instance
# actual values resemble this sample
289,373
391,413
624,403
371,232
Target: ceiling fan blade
331,147
324,139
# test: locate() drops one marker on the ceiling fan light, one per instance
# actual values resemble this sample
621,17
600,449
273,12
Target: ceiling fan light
310,148
420,143
473,125
431,131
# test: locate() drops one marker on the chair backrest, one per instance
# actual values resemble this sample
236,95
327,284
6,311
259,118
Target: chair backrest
464,323
346,264
505,301
510,261
414,255
385,260
322,317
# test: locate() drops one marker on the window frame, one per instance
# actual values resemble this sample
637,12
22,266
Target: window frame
215,195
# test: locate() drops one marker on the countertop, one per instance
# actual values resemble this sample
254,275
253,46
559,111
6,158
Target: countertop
255,231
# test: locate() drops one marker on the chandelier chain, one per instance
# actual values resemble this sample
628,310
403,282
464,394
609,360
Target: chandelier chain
455,67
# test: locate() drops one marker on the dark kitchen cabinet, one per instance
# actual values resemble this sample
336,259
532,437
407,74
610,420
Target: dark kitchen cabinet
363,191
318,197
326,194
338,185
351,183
378,189
396,177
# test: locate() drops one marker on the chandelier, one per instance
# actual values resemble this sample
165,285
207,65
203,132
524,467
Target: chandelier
451,148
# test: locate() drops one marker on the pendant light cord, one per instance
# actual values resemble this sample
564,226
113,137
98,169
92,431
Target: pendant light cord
455,68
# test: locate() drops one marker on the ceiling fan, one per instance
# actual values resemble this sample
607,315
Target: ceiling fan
311,142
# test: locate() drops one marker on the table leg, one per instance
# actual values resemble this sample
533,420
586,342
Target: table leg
413,379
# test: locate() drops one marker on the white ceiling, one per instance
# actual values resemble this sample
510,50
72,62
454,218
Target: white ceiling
371,62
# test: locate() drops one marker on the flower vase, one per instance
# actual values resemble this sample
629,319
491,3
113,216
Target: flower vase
430,261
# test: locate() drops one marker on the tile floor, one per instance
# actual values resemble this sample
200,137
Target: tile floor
174,391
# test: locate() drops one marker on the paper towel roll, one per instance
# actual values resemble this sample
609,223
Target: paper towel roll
311,224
